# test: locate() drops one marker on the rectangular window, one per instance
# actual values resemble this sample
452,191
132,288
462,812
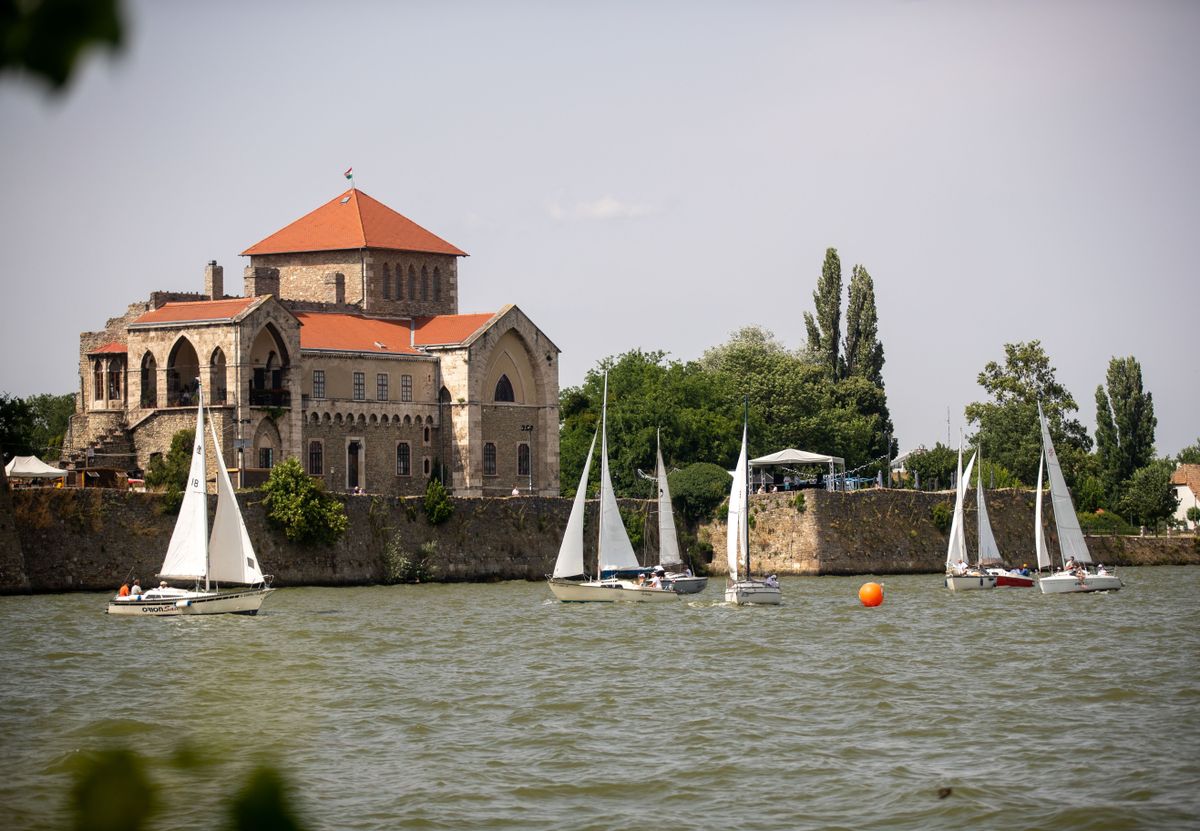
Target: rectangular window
522,459
316,458
265,457
114,381
360,386
381,387
318,383
489,459
406,388
403,459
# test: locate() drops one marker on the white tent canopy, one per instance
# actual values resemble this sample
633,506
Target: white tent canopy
31,467
791,456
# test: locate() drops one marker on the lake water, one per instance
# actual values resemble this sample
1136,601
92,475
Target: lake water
494,707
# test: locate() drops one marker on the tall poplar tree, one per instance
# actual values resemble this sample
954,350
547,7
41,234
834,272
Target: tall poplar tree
862,353
1125,422
824,332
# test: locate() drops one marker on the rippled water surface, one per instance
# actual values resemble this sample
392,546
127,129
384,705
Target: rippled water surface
494,707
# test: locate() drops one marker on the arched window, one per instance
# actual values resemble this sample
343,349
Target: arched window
387,282
399,281
217,391
504,390
149,381
316,458
523,459
489,459
403,459
98,379
437,283
425,436
412,283
424,283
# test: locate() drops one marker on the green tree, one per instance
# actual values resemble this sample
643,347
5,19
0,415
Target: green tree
170,472
298,504
1190,455
825,330
16,427
698,489
51,414
1149,495
439,507
862,353
1193,515
1008,424
935,467
1125,422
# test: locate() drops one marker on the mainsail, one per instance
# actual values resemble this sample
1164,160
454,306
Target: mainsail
1070,536
668,542
187,555
570,553
988,550
957,549
737,521
1039,533
231,556
616,551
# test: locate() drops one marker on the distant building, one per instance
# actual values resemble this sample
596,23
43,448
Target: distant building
346,350
1186,480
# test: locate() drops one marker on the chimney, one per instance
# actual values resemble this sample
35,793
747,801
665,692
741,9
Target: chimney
261,280
214,280
335,287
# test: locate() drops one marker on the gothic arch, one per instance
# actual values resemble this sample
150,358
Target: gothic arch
183,370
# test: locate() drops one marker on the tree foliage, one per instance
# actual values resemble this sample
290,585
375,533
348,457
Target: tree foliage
1149,495
862,353
47,38
16,427
439,507
1009,432
1125,423
934,467
298,504
825,330
171,470
1190,455
698,489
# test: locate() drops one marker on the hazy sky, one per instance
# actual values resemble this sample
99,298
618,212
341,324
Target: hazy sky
651,175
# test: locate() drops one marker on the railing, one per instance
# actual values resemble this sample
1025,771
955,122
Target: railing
270,398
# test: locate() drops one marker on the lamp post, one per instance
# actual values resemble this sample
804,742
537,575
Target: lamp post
528,429
241,451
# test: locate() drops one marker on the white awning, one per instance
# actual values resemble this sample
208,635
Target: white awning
791,456
31,467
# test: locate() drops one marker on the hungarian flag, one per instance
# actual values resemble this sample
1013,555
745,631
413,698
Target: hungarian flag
349,174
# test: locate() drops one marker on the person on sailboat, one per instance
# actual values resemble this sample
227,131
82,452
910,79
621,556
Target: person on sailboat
655,581
772,581
136,588
123,591
1100,569
960,567
1070,564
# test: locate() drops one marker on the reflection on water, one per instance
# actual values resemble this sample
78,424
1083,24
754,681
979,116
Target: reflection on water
492,706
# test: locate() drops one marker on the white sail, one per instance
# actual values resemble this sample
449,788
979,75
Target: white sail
668,542
957,549
570,553
1039,533
737,519
231,557
616,551
988,550
187,555
1070,536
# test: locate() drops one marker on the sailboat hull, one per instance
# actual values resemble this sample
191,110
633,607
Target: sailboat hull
608,591
685,585
1066,582
753,593
970,582
246,602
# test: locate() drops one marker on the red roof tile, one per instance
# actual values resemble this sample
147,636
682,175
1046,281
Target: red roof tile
353,220
1187,475
108,348
446,330
351,333
197,311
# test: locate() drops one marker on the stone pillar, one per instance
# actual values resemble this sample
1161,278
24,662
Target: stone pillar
214,280
261,280
335,288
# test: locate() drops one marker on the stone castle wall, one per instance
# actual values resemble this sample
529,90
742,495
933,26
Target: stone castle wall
55,540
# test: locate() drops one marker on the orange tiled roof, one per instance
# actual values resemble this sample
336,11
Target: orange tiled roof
353,220
446,330
108,348
351,333
197,311
1187,475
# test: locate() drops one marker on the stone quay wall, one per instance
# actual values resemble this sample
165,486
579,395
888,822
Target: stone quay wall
54,540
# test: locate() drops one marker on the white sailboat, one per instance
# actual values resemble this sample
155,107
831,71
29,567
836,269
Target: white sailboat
959,576
1073,551
226,556
676,577
989,552
741,588
614,552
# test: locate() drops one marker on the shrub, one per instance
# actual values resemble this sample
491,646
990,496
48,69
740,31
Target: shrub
943,516
298,504
401,566
438,505
170,472
799,502
697,489
1104,522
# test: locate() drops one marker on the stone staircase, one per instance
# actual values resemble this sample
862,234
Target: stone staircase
112,448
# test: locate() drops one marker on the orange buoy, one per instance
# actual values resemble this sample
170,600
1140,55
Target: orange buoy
871,594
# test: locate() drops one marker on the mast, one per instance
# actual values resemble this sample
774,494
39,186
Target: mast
603,473
204,476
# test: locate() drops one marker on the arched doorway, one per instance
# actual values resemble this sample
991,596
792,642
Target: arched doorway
149,380
183,370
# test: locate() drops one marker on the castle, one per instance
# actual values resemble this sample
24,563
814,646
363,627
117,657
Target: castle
345,350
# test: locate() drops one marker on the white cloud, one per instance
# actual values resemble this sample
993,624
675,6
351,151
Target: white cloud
604,208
